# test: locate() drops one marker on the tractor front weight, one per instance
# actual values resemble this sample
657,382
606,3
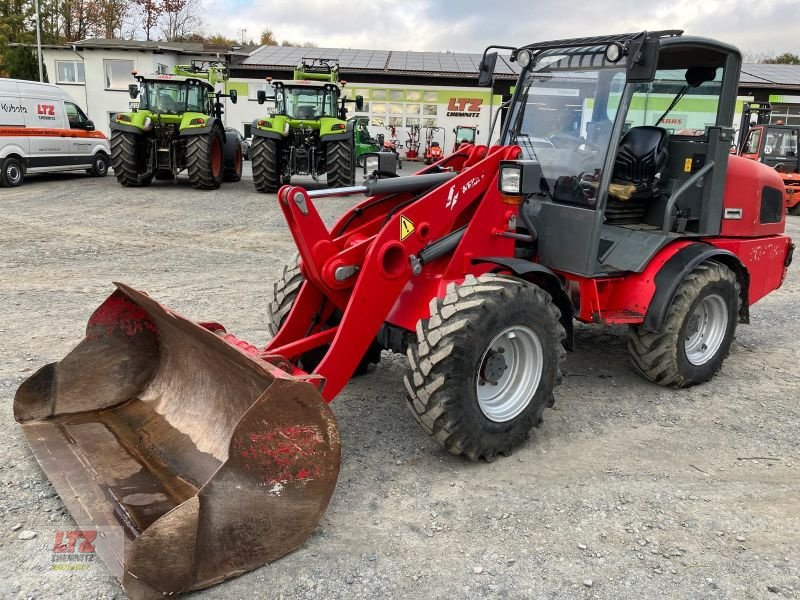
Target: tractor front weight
370,268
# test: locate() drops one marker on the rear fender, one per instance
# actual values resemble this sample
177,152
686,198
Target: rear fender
275,127
331,130
674,271
186,129
545,279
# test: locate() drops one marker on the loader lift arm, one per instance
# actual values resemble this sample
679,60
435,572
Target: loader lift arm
377,246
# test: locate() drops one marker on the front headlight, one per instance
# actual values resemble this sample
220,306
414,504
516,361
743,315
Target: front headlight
511,179
524,58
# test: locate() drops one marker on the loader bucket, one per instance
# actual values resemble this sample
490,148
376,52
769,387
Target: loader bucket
194,460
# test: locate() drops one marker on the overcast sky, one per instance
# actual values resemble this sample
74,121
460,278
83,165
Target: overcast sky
755,26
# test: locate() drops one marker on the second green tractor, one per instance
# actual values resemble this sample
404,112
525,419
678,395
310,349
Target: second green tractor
307,133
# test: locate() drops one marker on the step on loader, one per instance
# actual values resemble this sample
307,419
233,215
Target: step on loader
213,456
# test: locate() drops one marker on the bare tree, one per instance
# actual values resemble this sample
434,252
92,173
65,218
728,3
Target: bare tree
150,12
110,16
180,19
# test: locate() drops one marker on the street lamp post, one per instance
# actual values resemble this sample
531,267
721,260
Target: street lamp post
39,43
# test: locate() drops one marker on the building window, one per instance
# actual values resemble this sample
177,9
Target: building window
162,69
365,109
410,122
396,109
69,71
429,122
379,108
397,95
429,109
378,95
431,97
396,121
118,74
377,122
414,95
412,109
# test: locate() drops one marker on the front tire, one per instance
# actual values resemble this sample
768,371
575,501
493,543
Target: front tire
339,161
266,164
128,158
204,160
795,210
697,333
485,365
13,172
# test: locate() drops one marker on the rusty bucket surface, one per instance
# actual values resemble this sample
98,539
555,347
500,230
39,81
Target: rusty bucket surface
208,461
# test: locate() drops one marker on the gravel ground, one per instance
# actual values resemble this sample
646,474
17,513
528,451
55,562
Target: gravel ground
629,490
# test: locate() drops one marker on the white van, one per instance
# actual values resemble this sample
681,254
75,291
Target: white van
42,130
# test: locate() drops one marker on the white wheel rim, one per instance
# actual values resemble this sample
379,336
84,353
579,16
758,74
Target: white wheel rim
705,330
509,373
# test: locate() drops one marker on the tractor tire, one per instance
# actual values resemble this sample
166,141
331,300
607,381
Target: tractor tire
266,164
339,161
126,159
233,158
284,293
795,210
461,350
204,160
99,166
697,333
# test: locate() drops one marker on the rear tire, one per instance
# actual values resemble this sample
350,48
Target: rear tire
99,166
266,164
233,172
284,293
697,333
204,160
127,158
795,210
485,365
13,173
339,161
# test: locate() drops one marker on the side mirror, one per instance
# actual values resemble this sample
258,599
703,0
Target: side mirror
261,96
359,103
234,96
133,90
486,70
89,125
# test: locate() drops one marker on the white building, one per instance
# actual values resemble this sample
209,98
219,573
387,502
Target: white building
97,72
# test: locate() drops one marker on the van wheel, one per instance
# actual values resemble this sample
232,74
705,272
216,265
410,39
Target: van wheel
99,166
13,172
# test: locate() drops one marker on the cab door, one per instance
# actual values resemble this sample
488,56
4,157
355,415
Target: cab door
80,141
752,146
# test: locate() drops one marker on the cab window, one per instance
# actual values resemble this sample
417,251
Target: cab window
75,116
753,141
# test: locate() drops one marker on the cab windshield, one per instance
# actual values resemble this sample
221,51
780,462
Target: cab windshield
465,134
781,142
562,117
172,98
308,103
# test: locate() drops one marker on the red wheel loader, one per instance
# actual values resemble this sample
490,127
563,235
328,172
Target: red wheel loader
213,456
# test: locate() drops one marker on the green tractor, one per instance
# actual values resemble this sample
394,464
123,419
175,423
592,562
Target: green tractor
177,125
307,132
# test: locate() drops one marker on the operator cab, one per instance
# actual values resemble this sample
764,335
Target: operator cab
627,138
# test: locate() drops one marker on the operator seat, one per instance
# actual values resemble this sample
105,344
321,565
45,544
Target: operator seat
639,175
304,112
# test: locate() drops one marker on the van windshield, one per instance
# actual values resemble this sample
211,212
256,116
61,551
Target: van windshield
172,98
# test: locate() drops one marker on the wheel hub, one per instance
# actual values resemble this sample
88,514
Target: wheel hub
494,365
509,373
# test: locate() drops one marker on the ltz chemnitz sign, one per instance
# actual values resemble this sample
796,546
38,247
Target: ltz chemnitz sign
464,107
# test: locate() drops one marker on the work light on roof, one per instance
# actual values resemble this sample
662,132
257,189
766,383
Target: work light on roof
613,52
524,58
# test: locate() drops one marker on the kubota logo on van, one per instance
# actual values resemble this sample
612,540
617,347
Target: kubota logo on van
46,112
7,107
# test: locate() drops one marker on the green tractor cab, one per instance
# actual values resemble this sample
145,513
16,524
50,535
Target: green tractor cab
363,142
177,126
306,133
